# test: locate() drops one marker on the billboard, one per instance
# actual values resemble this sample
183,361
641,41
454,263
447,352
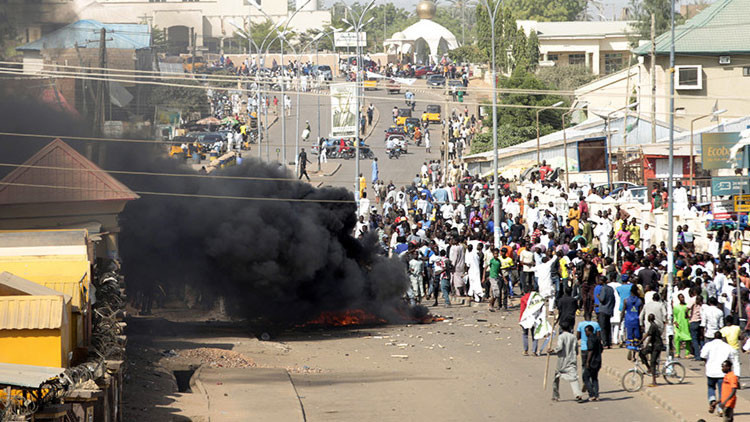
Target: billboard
722,186
349,39
343,110
715,149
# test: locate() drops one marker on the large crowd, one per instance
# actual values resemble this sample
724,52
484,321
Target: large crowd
561,258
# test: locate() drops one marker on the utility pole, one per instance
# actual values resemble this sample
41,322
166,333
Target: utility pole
100,97
670,207
195,36
653,78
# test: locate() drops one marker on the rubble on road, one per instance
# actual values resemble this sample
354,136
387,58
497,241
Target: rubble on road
218,358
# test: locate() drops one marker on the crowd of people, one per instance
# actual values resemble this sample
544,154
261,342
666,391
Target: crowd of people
561,258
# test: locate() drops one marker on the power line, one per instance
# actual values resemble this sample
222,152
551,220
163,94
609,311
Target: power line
185,195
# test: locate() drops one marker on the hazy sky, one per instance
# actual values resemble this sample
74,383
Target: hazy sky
611,7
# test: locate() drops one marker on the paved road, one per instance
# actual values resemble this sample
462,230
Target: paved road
400,171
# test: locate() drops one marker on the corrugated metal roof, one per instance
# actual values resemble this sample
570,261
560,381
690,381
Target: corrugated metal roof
28,376
722,28
12,285
31,312
87,182
86,34
575,29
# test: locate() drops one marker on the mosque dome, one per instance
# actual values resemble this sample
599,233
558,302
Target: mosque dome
426,9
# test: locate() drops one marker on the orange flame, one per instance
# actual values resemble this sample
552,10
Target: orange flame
346,318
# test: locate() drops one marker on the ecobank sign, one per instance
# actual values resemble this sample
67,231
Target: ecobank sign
715,149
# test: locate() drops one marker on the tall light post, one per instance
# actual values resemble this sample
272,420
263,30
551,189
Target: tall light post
538,149
495,190
283,95
692,122
670,179
608,160
357,24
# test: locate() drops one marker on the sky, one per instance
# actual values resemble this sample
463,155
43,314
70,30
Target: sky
612,8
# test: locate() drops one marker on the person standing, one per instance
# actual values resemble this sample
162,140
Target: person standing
630,313
592,363
494,273
362,184
681,327
457,258
475,273
302,162
416,267
695,327
567,364
370,113
606,309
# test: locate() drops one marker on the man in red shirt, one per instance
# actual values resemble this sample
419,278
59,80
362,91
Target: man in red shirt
544,170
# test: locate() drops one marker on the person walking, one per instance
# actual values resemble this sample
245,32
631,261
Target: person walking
302,162
630,314
592,363
370,113
374,170
652,345
729,386
494,273
567,364
715,352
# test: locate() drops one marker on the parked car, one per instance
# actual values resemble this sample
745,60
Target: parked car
436,80
638,193
602,187
423,71
324,70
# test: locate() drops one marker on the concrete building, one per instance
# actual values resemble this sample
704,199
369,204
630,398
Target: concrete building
603,47
206,22
712,65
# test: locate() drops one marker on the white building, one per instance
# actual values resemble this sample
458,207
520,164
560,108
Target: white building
603,47
209,22
425,41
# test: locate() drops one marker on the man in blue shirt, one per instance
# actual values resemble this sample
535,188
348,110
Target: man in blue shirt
581,335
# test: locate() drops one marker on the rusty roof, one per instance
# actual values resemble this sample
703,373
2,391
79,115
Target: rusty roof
58,173
31,312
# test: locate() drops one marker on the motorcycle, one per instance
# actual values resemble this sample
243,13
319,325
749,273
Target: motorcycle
394,153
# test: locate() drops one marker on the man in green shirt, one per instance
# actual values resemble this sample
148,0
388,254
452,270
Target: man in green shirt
494,267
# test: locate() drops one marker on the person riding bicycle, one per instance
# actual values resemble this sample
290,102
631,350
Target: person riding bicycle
410,99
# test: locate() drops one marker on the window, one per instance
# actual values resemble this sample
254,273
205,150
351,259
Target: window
553,57
612,62
746,71
576,59
689,77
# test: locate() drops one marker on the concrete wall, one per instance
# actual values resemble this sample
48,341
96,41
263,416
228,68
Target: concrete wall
722,83
593,48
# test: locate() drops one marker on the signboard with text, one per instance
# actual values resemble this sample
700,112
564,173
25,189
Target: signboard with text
715,149
722,186
349,39
722,210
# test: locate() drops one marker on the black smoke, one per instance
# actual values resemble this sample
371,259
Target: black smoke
278,260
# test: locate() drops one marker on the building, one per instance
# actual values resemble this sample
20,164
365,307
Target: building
424,42
59,188
608,93
204,24
712,65
603,47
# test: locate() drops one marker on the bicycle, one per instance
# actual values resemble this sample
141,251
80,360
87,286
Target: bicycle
672,371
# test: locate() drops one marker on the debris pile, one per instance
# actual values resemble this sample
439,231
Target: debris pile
218,358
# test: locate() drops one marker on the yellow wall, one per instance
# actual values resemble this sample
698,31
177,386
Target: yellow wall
61,273
33,347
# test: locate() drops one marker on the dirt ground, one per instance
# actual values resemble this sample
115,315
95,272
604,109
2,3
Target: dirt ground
468,367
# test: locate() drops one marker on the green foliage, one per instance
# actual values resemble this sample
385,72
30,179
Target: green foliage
565,78
641,11
462,12
532,46
468,53
515,124
508,39
159,39
8,36
181,98
548,10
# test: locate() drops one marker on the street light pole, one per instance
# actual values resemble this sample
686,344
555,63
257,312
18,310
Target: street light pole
357,29
538,149
670,206
495,190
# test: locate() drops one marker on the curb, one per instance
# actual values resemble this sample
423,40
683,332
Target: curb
197,385
617,375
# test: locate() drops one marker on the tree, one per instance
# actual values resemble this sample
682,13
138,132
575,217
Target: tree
517,124
7,36
460,11
565,78
548,10
468,54
532,47
641,11
181,98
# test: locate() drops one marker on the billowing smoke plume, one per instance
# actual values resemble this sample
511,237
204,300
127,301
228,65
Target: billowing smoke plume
279,260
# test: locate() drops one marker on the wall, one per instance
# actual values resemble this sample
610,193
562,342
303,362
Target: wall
33,347
593,47
724,83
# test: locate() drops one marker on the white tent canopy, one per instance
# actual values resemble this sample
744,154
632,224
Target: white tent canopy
426,39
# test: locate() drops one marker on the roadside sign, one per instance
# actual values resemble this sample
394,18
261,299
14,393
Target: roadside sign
742,203
722,210
349,39
722,186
